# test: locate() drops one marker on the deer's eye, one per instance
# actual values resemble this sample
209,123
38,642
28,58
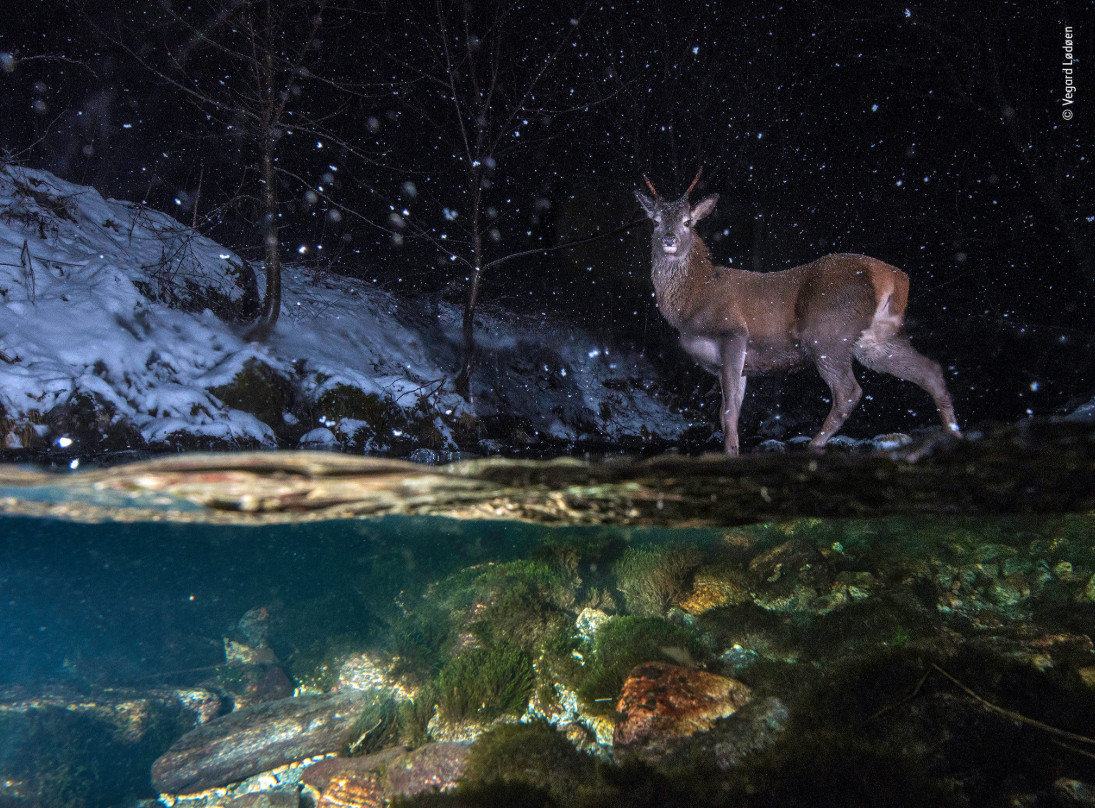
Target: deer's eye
687,222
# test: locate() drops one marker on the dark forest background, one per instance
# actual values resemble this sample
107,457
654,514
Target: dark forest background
457,148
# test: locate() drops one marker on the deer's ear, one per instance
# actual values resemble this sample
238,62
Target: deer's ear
703,207
647,203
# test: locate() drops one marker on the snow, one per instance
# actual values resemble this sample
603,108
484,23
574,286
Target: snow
109,298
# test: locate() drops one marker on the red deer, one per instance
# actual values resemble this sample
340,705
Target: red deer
736,323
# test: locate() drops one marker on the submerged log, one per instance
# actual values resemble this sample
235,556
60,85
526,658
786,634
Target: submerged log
256,739
1039,467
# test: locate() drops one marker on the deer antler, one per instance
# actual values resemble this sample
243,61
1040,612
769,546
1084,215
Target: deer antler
650,185
693,185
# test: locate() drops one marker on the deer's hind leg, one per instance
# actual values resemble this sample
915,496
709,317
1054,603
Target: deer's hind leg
895,355
837,373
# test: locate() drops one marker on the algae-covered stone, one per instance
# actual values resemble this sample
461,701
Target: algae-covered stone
713,587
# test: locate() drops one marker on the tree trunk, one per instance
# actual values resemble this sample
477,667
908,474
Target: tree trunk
463,379
271,307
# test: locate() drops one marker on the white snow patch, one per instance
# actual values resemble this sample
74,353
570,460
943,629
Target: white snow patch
104,297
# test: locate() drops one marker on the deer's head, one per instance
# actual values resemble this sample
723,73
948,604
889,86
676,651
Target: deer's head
673,221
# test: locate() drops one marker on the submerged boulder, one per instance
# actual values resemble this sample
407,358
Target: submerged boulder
256,739
663,704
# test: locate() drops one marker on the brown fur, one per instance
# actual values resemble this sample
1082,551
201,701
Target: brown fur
826,313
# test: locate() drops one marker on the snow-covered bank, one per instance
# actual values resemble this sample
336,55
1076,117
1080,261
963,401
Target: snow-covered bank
109,341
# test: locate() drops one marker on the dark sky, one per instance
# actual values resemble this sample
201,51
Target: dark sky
931,135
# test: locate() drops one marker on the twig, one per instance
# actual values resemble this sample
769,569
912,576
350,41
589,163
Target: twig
28,271
197,199
1014,716
910,697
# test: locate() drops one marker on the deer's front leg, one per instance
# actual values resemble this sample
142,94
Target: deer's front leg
733,388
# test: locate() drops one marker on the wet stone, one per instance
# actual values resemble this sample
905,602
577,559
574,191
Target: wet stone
434,766
282,797
712,589
753,728
256,739
588,623
396,772
353,791
367,672
319,775
664,704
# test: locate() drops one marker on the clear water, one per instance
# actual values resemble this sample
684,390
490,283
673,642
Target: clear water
841,619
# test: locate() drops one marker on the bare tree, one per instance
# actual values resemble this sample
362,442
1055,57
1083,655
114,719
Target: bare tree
246,67
485,86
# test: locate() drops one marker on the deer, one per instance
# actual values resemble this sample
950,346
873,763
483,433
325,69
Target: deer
735,323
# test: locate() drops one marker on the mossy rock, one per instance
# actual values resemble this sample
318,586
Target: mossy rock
533,754
526,601
378,726
417,642
625,642
652,579
93,424
424,432
481,684
261,391
73,759
385,423
346,401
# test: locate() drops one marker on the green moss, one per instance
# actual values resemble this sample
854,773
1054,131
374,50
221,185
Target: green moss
378,726
652,579
345,401
625,642
69,759
483,683
526,600
259,390
535,755
413,717
417,642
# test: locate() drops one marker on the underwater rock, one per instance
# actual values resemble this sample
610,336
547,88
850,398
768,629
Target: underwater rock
280,797
462,730
353,791
712,588
62,746
248,685
394,772
753,728
1074,792
663,704
369,672
589,622
785,559
256,739
205,704
1088,593
435,766
320,774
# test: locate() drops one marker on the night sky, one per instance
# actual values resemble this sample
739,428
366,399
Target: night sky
931,135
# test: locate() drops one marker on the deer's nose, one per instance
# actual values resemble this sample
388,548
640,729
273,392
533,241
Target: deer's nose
669,242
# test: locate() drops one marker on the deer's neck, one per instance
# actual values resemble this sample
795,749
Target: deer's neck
678,280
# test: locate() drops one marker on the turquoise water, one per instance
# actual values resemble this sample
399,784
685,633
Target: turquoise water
845,625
